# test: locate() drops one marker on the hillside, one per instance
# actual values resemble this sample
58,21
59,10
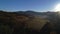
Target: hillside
20,20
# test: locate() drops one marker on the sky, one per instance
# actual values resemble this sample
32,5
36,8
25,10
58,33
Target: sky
23,5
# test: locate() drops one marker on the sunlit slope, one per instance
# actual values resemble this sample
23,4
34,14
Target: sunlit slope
30,22
36,23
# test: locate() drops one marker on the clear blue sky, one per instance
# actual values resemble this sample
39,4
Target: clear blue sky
36,5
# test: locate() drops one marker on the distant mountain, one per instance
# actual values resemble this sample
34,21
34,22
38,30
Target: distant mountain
31,13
